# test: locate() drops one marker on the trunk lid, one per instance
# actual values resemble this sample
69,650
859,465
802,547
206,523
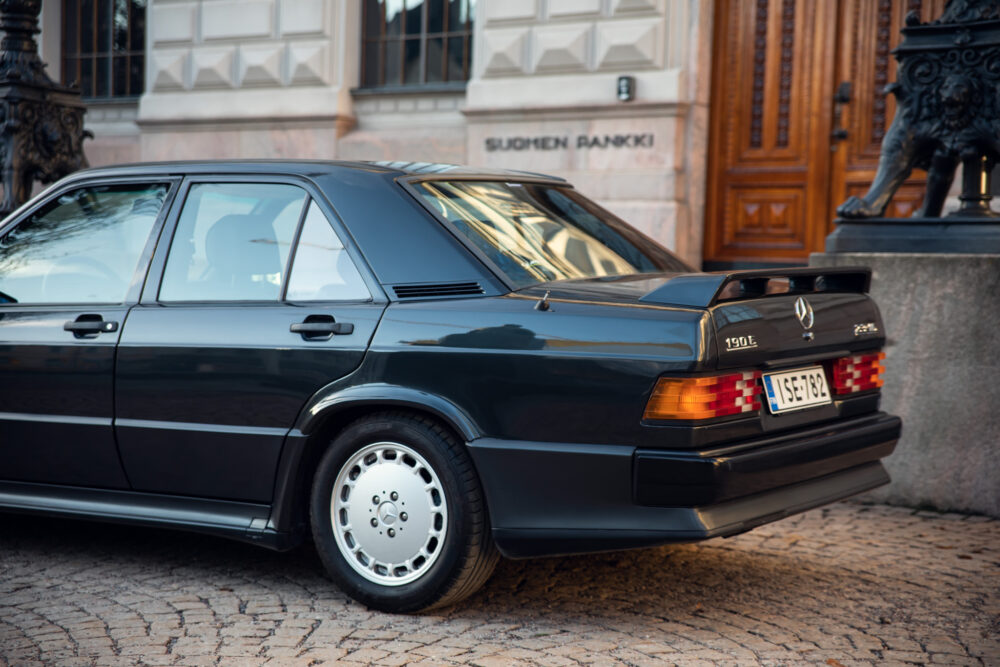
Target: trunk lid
772,331
760,316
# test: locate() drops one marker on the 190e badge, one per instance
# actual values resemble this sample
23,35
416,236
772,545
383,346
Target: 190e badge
734,343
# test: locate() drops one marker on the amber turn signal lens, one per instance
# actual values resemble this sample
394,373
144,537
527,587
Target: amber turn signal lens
704,397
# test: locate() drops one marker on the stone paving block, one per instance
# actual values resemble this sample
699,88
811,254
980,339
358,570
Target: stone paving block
193,660
494,661
438,651
857,584
365,655
324,653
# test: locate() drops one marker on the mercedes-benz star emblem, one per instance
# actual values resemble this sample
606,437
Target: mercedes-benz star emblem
804,312
388,513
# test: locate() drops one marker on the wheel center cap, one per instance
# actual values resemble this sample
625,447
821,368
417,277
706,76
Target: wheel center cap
388,513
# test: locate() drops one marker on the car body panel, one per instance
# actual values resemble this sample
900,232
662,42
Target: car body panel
57,391
515,362
206,394
57,387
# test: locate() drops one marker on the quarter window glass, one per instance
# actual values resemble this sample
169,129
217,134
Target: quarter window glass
232,242
323,271
84,247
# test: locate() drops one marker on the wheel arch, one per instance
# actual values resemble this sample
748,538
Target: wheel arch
321,409
323,418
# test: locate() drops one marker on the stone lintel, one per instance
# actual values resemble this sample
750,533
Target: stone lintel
615,110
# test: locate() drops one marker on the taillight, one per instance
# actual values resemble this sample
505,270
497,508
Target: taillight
860,372
704,397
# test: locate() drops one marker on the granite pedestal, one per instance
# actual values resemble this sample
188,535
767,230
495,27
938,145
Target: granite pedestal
942,318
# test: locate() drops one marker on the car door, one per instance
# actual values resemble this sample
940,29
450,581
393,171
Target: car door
69,270
258,306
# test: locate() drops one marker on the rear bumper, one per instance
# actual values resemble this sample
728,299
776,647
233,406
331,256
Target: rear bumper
688,479
554,498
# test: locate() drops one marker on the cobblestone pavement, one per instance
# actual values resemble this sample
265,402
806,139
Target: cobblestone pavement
850,584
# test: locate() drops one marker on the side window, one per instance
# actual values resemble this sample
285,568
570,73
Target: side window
232,242
84,247
322,269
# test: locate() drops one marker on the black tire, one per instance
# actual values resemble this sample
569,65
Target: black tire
465,558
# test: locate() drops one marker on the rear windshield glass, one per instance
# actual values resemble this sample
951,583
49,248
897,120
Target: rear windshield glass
537,233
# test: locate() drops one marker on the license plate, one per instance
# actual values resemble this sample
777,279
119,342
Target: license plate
796,389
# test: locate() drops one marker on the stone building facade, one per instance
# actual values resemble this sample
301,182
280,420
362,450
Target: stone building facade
281,79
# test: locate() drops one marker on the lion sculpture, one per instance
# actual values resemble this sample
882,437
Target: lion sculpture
948,112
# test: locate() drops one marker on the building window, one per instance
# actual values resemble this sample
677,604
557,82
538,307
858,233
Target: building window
416,42
104,47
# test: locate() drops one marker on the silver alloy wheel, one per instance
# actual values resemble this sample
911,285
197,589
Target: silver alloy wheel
389,513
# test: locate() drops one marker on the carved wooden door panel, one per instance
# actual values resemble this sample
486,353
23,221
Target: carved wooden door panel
776,173
869,30
769,163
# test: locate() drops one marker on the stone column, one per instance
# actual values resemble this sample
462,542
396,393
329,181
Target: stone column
942,317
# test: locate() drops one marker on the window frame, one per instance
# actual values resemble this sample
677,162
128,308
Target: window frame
466,33
151,291
144,263
77,56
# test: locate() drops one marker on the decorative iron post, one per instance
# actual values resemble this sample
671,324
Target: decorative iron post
947,114
41,122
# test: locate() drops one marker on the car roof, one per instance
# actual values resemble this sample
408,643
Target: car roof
308,167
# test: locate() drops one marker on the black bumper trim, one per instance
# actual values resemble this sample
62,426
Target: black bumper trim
691,479
723,520
549,498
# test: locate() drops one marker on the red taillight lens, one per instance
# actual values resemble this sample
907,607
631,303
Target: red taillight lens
860,372
704,397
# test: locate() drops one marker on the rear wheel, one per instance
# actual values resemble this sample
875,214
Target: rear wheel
398,514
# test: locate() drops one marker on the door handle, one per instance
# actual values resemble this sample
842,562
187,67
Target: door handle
89,326
321,327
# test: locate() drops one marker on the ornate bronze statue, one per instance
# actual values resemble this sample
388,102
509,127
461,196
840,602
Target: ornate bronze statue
41,122
948,112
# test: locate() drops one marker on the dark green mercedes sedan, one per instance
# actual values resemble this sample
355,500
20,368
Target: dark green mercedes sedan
420,367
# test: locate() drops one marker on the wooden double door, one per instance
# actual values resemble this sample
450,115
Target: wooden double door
798,114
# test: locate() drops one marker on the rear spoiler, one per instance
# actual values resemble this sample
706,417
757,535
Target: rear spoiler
702,290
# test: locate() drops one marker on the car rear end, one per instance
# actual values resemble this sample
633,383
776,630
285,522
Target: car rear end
793,399
778,414
642,402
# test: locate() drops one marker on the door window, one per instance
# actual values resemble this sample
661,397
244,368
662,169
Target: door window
83,247
322,269
232,242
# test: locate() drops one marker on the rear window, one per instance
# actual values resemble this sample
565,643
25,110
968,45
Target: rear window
538,233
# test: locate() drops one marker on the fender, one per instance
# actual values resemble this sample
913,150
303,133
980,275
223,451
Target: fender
326,403
287,510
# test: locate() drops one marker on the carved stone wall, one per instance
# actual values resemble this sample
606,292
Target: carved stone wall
519,43
543,94
278,78
248,78
238,44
